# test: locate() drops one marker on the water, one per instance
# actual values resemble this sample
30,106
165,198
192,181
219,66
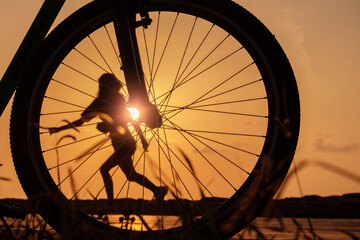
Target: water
278,229
286,228
281,229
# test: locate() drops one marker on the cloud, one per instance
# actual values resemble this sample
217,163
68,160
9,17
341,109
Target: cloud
294,38
320,145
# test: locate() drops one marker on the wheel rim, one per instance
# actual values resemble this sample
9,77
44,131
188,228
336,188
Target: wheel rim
209,104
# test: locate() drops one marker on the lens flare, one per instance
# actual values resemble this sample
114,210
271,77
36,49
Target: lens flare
134,113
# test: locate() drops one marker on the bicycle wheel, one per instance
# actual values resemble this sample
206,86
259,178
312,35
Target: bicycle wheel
230,109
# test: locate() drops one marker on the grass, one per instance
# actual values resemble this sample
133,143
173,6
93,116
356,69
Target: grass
34,227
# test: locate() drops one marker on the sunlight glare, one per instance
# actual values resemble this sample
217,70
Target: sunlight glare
134,113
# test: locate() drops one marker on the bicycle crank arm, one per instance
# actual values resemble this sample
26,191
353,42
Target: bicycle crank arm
125,25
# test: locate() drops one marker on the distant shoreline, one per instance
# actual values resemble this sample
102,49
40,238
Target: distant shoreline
345,206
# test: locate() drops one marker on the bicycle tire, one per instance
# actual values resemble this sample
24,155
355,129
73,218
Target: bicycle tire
241,207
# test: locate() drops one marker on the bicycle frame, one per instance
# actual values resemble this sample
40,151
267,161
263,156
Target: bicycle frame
124,24
28,47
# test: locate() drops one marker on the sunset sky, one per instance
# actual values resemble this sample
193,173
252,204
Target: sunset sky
321,39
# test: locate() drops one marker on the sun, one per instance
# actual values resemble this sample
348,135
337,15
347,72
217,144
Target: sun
134,113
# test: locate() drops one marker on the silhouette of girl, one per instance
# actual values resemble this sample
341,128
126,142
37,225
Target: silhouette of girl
110,107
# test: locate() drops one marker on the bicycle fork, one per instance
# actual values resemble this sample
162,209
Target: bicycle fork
125,24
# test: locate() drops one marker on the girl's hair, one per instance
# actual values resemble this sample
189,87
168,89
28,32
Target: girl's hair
108,83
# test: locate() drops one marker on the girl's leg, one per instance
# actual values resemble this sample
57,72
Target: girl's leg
104,170
127,167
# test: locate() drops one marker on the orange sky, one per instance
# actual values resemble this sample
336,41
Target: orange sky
321,40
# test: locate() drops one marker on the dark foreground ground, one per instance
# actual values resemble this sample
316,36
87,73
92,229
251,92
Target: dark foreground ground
345,206
310,217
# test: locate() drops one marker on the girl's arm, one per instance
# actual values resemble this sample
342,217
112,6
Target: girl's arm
139,132
74,125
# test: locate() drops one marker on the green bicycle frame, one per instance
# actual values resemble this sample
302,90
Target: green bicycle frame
31,42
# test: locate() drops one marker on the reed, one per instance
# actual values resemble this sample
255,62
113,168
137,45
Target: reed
34,227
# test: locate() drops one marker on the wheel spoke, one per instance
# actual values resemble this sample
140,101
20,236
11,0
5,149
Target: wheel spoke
63,112
177,173
226,145
73,88
186,79
168,157
150,81
79,72
168,97
165,46
192,173
222,83
228,91
72,143
98,50
224,112
77,167
155,47
167,127
88,58
74,159
196,137
177,77
65,102
135,165
225,103
85,75
113,46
